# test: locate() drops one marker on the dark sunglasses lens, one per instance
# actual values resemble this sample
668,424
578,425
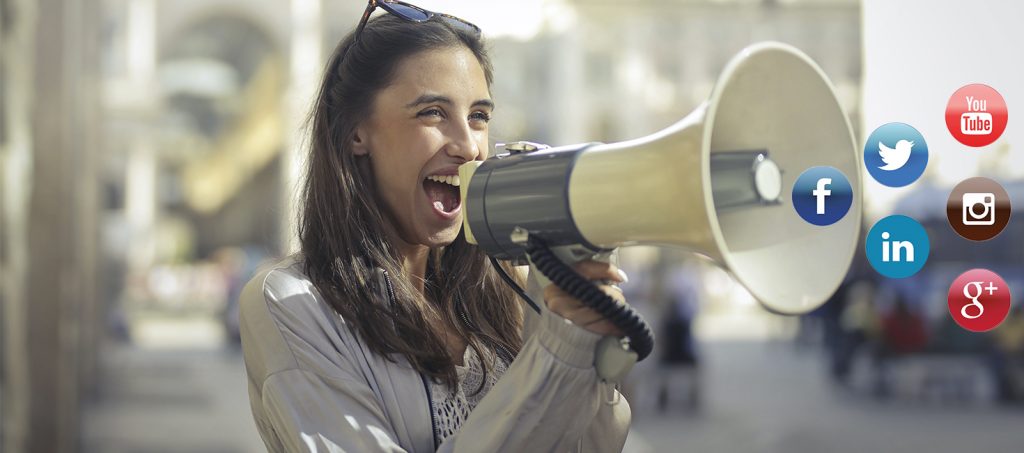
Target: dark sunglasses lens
460,24
405,11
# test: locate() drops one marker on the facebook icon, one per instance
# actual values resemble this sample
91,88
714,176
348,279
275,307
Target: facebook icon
822,195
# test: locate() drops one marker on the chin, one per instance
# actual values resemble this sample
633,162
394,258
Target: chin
441,235
444,237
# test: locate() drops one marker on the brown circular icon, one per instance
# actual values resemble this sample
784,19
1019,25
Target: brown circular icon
978,209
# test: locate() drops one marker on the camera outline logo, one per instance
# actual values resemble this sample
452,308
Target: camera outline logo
987,200
897,246
822,195
896,154
978,208
976,115
979,300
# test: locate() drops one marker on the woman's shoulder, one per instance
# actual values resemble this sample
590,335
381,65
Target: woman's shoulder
284,278
284,292
286,324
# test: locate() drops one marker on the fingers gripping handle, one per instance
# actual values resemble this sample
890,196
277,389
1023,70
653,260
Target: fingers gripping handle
614,356
572,254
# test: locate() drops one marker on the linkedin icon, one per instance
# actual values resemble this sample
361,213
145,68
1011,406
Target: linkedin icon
978,209
897,246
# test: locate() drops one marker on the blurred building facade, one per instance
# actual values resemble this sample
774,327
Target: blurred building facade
138,138
50,146
618,70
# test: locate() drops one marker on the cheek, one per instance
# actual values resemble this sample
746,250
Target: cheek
398,177
399,160
393,180
483,144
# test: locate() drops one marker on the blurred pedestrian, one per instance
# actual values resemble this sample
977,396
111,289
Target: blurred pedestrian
904,332
678,349
860,325
1008,356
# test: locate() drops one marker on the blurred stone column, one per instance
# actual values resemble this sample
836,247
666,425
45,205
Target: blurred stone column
634,72
16,52
50,292
305,70
568,103
141,169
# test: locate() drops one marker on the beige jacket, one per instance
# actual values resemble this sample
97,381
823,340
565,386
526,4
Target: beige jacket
315,386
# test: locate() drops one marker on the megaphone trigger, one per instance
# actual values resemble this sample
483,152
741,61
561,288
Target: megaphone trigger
613,359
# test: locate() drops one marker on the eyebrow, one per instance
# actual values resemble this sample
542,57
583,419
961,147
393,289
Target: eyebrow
432,98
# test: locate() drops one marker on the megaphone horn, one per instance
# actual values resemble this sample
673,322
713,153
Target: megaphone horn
718,183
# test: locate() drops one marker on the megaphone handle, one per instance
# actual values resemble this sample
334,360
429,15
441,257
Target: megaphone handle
572,254
639,339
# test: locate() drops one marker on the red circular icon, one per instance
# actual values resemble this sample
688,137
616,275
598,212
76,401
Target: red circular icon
979,300
976,115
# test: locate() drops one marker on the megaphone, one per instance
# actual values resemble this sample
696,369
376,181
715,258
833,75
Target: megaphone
718,183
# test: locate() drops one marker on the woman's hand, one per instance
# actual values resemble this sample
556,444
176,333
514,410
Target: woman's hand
572,309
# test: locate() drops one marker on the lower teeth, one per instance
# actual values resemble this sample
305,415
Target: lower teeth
439,206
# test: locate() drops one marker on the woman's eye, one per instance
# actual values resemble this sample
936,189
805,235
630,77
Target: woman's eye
432,113
480,116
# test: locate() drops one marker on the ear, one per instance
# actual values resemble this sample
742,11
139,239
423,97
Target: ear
360,147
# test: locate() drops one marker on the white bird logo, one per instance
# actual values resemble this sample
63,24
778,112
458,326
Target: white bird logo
895,158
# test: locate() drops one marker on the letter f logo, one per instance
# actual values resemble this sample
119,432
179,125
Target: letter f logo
821,192
816,185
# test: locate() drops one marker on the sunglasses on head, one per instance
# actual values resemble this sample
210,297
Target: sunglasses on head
412,13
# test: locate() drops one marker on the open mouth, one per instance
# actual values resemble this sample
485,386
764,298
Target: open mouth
443,193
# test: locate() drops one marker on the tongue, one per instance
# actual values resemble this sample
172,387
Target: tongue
442,196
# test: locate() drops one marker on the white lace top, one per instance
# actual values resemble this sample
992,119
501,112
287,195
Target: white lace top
451,408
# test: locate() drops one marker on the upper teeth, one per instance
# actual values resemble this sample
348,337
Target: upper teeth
451,179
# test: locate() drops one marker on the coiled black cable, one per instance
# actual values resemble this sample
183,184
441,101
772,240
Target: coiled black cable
641,338
515,286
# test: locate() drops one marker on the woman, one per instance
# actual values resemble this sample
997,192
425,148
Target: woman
389,332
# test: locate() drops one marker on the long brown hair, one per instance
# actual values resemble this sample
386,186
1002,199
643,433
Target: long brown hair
342,228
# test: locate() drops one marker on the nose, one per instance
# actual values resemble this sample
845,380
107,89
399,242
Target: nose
463,142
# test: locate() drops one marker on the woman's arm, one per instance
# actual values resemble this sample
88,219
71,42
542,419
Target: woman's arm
551,398
307,412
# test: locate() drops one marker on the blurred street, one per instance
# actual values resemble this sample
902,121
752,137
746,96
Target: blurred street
171,401
771,397
758,397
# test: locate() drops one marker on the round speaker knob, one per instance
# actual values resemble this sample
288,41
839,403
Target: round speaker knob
767,179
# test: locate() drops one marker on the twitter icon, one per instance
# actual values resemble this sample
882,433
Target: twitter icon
896,154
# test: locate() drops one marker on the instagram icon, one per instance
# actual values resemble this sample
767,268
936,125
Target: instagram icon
978,208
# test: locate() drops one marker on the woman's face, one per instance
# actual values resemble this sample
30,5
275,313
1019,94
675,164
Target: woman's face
431,119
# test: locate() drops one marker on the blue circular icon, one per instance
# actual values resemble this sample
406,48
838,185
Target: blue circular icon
822,195
897,246
896,154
